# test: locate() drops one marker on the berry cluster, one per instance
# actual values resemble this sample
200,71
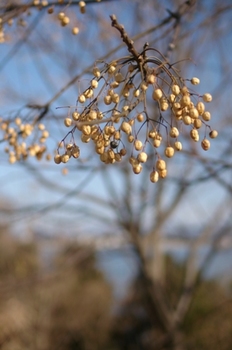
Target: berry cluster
11,14
113,111
21,142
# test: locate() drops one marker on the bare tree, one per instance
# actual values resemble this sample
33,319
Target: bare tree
120,108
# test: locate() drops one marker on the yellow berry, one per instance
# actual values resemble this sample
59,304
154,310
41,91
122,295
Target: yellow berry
152,133
162,173
144,86
126,127
64,158
107,99
75,151
115,98
194,135
75,30
200,107
178,145
206,116
133,161
169,152
131,138
205,144
100,150
136,93
81,98
213,134
140,117
164,104
207,97
119,77
96,72
157,94
185,91
151,79
118,157
75,116
111,69
85,138
94,84
160,164
154,176
114,84
41,127
68,122
193,113
176,107
174,132
175,89
138,145
86,129
45,134
82,6
117,135
142,157
88,93
126,92
65,21
197,123
172,98
111,154
92,115
17,121
137,169
69,146
186,100
61,15
57,159
195,81
156,143
12,159
187,120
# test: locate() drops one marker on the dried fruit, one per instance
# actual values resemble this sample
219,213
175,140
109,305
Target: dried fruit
169,152
207,97
195,81
154,176
142,157
213,134
157,94
138,145
194,135
126,127
160,164
205,144
174,132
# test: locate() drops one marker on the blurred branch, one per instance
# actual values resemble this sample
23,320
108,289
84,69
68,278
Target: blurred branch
193,272
181,11
5,60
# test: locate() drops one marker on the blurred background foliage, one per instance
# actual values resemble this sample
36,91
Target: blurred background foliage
70,304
